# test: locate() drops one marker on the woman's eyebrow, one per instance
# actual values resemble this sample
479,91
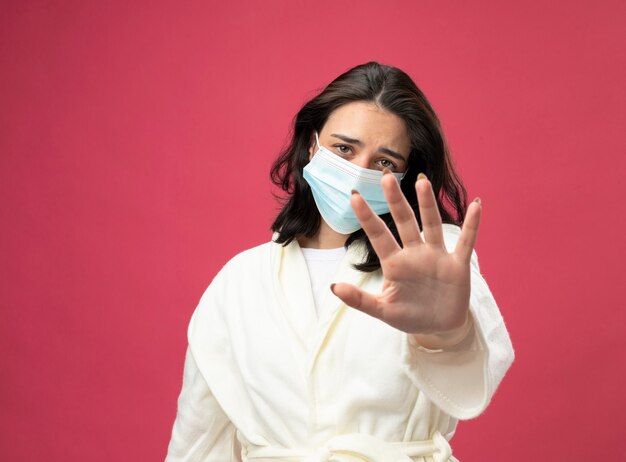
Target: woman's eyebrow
393,154
384,150
347,139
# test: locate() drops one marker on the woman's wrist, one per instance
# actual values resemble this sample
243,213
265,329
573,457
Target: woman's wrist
444,340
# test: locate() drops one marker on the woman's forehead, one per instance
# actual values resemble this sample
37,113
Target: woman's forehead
368,122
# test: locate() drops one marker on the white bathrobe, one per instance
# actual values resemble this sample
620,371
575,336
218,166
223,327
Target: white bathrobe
266,381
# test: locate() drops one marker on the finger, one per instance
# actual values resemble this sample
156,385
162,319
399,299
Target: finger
401,211
469,232
357,298
431,220
381,238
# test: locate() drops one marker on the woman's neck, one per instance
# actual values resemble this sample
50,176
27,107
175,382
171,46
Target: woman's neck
326,238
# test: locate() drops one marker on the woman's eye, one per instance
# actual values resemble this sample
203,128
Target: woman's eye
386,163
343,149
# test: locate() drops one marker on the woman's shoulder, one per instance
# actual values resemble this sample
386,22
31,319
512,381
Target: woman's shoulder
247,261
451,228
253,253
244,268
451,233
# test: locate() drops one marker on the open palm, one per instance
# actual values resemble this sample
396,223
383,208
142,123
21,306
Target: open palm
426,289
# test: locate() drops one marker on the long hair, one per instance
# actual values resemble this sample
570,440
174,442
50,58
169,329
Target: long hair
392,90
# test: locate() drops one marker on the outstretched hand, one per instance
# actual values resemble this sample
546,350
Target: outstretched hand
426,289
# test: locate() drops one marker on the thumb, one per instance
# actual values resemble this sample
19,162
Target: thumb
357,298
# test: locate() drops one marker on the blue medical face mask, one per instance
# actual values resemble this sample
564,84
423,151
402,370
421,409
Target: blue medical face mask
332,180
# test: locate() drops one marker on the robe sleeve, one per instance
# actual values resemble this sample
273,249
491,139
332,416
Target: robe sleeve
461,380
201,431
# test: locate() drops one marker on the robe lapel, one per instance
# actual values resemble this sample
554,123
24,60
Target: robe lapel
293,289
325,327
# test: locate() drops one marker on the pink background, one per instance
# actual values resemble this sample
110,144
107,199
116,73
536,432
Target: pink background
135,144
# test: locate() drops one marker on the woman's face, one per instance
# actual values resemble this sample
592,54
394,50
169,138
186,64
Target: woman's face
367,136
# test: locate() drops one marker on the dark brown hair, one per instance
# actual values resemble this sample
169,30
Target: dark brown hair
390,89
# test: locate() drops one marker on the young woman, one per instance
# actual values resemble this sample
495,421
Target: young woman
352,335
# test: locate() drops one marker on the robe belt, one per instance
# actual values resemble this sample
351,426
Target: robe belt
355,447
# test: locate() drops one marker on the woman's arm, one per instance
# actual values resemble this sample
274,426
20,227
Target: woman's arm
201,431
462,379
434,292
